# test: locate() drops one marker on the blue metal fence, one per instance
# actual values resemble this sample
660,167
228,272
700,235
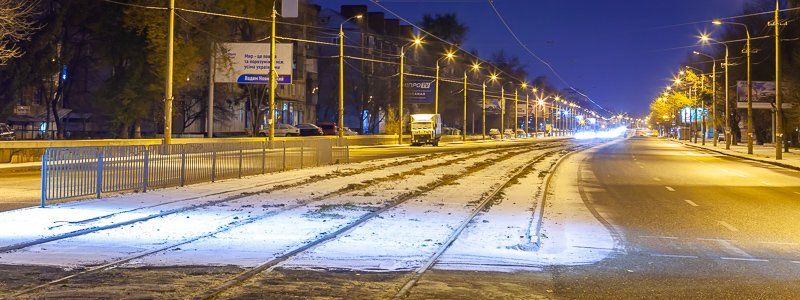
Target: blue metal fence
72,172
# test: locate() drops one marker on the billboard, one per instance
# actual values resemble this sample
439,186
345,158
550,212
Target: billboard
248,63
763,95
419,91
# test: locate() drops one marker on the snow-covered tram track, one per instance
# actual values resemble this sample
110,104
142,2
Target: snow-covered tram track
347,228
116,219
425,164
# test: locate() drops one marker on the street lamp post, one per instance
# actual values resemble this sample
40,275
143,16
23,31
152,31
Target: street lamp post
516,111
416,42
748,52
449,56
502,111
341,74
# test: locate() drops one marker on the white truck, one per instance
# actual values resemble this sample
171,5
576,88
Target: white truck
426,129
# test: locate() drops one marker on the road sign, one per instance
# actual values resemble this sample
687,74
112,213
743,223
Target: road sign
248,63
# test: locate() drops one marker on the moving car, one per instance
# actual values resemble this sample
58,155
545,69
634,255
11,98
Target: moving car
426,129
6,134
328,128
309,130
282,130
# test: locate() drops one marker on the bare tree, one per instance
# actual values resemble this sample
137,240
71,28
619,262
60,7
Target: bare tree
17,23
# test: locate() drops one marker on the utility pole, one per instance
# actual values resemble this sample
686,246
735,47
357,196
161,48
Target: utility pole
464,124
400,104
168,97
272,75
778,104
527,113
211,73
516,111
483,104
502,111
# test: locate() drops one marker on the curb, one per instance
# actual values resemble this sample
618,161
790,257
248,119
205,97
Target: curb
774,163
20,169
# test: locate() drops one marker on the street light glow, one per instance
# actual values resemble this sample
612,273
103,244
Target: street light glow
717,22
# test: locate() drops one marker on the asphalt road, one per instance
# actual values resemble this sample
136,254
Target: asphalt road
690,224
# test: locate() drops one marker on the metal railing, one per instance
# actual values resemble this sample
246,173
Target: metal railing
70,172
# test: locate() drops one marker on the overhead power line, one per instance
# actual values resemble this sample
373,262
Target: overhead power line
547,64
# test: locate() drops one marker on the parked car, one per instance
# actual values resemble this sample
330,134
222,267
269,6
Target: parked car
309,130
522,134
494,133
451,131
282,130
508,133
6,134
328,128
348,131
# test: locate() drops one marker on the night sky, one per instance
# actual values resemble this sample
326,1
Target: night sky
617,52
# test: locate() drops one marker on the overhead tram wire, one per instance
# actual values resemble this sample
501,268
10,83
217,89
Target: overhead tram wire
459,81
525,47
725,18
454,46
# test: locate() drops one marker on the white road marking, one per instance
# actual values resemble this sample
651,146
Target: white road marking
669,188
797,193
691,203
640,166
766,183
745,259
728,226
656,179
796,261
659,237
674,256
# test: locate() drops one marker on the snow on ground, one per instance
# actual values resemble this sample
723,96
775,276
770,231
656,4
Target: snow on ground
112,244
263,240
498,240
405,236
33,223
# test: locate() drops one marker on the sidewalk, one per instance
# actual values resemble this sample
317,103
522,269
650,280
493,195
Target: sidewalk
762,153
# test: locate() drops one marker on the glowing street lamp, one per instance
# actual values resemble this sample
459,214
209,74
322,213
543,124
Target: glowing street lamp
448,56
416,42
748,52
341,74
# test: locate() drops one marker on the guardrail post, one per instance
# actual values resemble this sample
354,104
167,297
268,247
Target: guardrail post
183,164
213,164
44,179
99,188
347,149
240,162
146,171
284,156
302,153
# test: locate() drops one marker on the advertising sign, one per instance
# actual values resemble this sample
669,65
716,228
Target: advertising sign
22,110
248,63
419,91
492,106
763,95
689,116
